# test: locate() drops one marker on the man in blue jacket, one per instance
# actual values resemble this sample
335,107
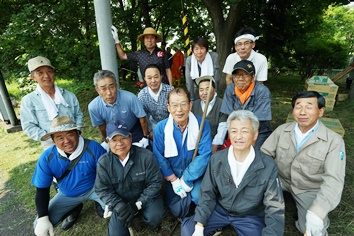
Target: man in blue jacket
240,187
175,140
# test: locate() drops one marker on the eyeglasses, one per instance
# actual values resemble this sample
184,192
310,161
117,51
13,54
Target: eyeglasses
237,76
105,89
246,43
182,105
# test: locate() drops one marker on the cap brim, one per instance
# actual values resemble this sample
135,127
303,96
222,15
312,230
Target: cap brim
204,78
241,68
158,37
47,135
125,134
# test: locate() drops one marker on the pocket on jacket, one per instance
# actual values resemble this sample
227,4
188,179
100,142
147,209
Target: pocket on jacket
254,191
316,161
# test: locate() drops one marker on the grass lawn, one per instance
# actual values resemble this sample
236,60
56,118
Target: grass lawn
19,154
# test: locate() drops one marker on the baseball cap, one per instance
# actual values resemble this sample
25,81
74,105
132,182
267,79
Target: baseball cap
39,61
204,78
244,65
116,128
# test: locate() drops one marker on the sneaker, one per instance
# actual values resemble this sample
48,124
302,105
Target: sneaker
72,218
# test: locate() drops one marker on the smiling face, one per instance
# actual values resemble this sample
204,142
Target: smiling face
66,140
242,135
244,47
153,79
44,76
120,145
242,79
179,107
306,113
150,41
107,89
204,89
199,52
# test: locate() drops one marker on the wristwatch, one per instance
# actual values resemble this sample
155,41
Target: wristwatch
147,136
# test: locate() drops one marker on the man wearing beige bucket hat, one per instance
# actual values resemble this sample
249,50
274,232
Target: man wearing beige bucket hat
72,161
46,102
151,54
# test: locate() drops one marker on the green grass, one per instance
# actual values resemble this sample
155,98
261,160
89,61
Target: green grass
19,154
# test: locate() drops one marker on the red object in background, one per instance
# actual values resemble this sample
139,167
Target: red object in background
226,144
140,84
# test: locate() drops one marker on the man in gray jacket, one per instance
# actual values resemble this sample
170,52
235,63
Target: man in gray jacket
129,181
311,161
240,187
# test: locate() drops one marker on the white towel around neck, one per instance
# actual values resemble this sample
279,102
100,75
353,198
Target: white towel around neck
192,135
206,68
49,103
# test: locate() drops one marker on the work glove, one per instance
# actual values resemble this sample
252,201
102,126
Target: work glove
43,227
144,142
114,32
198,230
185,186
127,212
178,189
107,213
314,224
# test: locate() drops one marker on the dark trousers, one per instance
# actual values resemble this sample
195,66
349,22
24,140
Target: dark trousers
152,214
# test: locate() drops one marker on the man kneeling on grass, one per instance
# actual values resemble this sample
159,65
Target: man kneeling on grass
72,161
240,187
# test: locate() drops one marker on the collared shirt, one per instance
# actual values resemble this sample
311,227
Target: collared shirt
155,110
126,108
144,58
300,137
34,117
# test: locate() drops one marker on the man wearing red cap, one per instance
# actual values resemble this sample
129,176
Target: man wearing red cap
150,55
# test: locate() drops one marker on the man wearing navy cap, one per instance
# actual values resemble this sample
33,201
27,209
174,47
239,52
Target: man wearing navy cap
129,181
247,94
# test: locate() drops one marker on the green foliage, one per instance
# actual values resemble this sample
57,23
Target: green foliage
26,84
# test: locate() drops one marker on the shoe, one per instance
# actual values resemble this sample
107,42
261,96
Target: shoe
72,218
99,209
215,232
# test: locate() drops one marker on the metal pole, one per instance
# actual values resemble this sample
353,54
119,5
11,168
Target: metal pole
106,43
7,102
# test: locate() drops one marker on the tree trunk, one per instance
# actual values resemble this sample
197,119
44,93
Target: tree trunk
225,30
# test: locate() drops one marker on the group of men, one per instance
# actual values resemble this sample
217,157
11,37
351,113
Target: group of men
239,186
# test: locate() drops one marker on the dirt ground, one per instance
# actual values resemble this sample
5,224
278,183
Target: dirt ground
14,219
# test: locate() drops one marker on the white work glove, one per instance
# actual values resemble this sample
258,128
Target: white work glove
139,205
114,32
185,186
198,230
314,224
178,189
43,227
107,213
144,142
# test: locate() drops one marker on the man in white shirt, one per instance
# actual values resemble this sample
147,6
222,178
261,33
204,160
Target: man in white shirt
245,42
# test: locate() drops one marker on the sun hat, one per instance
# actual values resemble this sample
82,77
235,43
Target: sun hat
39,61
60,124
245,65
116,128
178,47
204,78
149,31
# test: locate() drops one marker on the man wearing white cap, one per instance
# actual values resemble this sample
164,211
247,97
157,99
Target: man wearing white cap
48,101
245,42
151,54
129,182
72,161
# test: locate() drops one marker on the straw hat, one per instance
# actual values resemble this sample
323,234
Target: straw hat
60,124
149,31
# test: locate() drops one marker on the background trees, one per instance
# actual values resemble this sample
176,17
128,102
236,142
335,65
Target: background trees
295,34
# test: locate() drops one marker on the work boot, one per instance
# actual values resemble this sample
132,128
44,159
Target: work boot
72,218
99,209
